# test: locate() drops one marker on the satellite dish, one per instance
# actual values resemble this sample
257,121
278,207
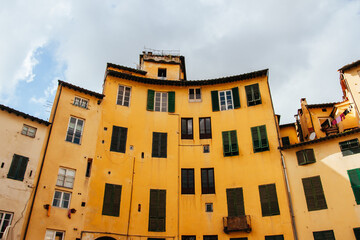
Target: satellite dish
312,136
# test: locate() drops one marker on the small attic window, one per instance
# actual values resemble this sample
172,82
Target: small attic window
324,109
162,72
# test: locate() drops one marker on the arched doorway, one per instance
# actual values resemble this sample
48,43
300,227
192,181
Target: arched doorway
105,238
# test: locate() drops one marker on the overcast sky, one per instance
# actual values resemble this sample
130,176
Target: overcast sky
303,43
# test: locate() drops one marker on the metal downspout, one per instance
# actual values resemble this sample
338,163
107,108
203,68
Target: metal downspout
131,196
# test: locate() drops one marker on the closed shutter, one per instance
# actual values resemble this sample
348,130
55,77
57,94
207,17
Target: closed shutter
157,210
357,233
118,139
215,101
230,144
236,97
310,156
112,197
235,202
163,145
234,144
300,157
324,235
171,102
255,138
268,200
150,100
314,193
259,136
18,167
275,237
159,147
226,143
263,136
274,206
354,176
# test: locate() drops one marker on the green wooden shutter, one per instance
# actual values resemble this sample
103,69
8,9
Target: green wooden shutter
215,101
150,100
259,136
171,102
235,202
123,137
314,194
155,145
257,96
157,210
274,206
226,143
233,143
163,145
18,167
255,138
236,97
268,199
249,95
112,198
354,176
263,136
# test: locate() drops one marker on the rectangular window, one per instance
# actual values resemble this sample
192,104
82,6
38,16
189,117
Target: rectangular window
54,235
186,128
18,167
159,145
235,202
81,102
285,141
118,139
354,175
28,131
205,128
314,194
305,156
112,197
324,235
65,178
268,200
162,73
274,237
350,147
157,211
187,181
357,233
188,237
225,100
260,140
5,221
207,181
123,97
160,101
253,94
61,199
230,144
242,238
210,237
194,94
75,129
88,167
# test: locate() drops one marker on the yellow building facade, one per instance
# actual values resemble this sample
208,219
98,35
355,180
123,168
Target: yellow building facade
156,156
320,152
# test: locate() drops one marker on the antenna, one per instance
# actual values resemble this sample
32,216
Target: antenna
162,52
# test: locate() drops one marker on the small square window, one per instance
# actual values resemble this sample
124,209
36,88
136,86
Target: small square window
208,207
54,235
81,102
194,94
28,131
162,73
61,199
65,178
206,148
285,141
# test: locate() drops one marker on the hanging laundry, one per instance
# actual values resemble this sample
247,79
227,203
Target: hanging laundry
342,116
338,119
333,122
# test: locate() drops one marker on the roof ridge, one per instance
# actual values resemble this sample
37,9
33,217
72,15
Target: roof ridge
24,115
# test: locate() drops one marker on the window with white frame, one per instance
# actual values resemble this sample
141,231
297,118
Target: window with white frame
61,199
123,97
28,131
81,102
74,131
161,102
65,178
226,100
54,235
5,221
194,95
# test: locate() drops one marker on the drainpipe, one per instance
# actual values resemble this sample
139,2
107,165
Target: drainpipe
131,196
42,163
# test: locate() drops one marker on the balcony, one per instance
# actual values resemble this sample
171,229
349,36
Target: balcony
237,224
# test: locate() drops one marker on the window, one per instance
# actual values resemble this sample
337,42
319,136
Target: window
65,178
18,167
187,181
205,127
186,128
210,237
324,235
253,94
162,73
268,200
259,137
314,194
118,139
88,167
209,207
285,141
207,181
354,175
74,131
28,131
112,197
225,100
159,145
160,101
274,237
188,237
123,97
242,238
305,156
61,199
157,211
194,95
54,235
235,202
5,221
206,148
230,144
350,147
357,233
156,239
81,102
